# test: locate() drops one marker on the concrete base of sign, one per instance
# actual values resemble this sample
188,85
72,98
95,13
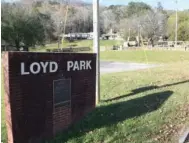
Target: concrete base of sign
112,67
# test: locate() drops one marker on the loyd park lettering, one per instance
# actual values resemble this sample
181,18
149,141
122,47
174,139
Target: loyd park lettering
52,67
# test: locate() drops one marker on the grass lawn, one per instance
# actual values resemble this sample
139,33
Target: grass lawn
146,106
146,56
80,43
3,126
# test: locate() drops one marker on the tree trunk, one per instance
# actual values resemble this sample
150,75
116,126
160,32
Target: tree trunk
26,48
17,44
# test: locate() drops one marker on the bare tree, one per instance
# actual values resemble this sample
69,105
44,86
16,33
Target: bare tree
150,25
153,24
109,20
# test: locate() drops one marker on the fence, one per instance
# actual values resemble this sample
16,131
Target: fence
70,50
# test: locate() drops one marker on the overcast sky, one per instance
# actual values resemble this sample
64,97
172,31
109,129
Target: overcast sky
167,4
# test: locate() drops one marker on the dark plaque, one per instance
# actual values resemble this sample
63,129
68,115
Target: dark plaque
62,91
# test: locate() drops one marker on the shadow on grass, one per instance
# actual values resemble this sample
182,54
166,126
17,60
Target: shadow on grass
114,113
144,89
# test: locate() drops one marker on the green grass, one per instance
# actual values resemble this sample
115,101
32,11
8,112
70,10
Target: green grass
3,126
145,56
146,106
79,43
137,107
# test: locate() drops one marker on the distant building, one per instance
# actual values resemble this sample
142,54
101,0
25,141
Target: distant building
82,36
77,36
112,36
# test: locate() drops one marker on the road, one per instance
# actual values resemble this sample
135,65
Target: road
112,67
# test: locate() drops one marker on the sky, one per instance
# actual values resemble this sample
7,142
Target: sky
167,4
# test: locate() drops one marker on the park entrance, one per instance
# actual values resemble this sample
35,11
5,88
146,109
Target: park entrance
46,92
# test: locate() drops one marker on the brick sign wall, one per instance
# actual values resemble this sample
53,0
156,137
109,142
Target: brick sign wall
46,92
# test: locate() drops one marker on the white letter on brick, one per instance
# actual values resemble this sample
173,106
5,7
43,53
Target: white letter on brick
82,65
38,68
88,66
69,65
44,66
51,67
76,66
23,70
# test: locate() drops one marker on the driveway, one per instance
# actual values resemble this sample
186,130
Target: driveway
112,67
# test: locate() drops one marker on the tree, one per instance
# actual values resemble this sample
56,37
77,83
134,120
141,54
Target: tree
118,10
183,31
21,27
183,26
137,8
109,20
130,27
161,9
159,6
152,24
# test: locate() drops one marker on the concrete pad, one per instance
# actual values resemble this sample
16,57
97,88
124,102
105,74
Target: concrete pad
112,67
185,137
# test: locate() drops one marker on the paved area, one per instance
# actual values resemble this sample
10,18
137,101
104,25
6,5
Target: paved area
185,137
112,67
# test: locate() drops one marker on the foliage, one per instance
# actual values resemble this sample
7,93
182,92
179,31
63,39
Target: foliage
21,27
48,26
183,31
152,24
183,26
137,8
44,21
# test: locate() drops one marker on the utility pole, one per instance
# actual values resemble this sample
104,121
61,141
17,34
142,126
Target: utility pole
96,46
129,32
129,35
60,32
176,25
138,40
